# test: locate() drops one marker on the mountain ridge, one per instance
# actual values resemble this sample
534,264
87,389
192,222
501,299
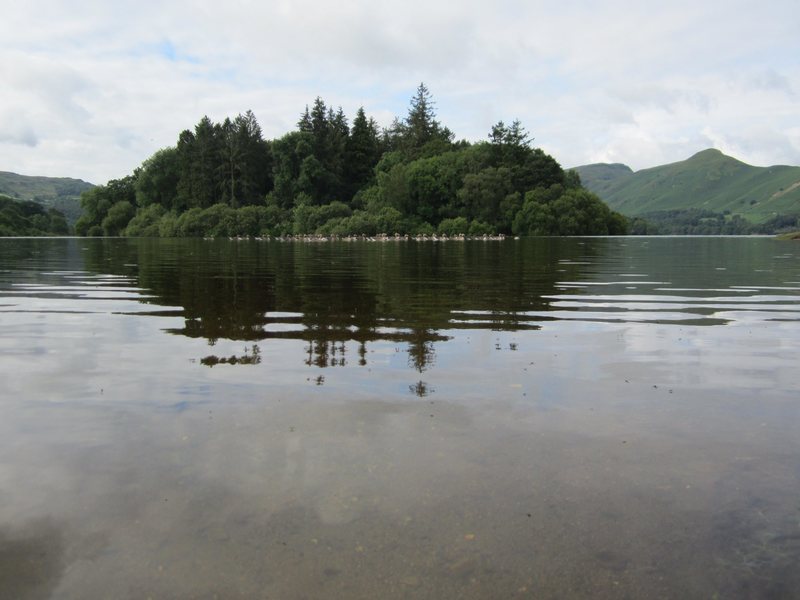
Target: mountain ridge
707,180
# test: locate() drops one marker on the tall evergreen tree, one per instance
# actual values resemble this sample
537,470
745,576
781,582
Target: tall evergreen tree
231,159
510,143
420,127
304,124
321,175
421,121
206,180
362,153
198,159
246,163
256,171
319,126
334,159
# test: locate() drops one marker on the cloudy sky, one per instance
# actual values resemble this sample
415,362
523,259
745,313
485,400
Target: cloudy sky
91,89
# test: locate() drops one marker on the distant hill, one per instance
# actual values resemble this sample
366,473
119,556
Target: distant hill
602,177
61,193
709,180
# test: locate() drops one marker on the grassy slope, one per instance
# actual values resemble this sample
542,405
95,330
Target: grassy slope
708,180
602,177
61,193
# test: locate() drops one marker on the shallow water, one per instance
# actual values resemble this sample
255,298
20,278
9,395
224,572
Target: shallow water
585,418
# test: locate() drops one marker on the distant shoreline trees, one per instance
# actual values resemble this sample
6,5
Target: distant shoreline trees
330,177
29,218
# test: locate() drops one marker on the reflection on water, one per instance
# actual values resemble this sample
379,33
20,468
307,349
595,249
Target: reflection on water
601,418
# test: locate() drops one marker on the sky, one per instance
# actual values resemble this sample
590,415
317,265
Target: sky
91,89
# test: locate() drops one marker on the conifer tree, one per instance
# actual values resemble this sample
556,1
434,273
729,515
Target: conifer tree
362,152
420,126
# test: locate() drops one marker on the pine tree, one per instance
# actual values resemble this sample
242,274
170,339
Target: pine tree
231,157
421,121
319,126
510,143
205,188
362,153
256,164
420,127
304,124
199,162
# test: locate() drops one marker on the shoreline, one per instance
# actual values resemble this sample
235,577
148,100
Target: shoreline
381,237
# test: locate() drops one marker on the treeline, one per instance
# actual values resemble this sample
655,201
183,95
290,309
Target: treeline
28,218
329,176
696,221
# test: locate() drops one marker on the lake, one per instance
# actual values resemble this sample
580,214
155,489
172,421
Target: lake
541,418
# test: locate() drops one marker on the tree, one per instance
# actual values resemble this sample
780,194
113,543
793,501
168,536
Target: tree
117,218
57,224
98,201
510,144
482,195
26,217
421,120
560,211
230,167
319,126
288,155
146,221
362,152
334,155
420,127
245,163
256,168
304,124
225,179
198,163
158,179
323,177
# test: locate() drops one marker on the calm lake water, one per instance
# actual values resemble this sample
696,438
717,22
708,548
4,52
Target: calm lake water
550,418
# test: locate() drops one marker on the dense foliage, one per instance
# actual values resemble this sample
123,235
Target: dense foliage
331,177
25,217
696,221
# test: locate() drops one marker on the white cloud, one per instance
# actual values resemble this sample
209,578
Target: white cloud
93,88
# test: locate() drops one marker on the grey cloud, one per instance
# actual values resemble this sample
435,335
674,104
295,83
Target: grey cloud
14,129
50,82
753,141
25,137
662,97
771,81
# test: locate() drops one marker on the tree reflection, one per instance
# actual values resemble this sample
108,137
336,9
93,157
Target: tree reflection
250,357
420,389
331,295
421,354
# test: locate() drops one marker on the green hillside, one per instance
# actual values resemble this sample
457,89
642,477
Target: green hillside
709,180
61,193
602,177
